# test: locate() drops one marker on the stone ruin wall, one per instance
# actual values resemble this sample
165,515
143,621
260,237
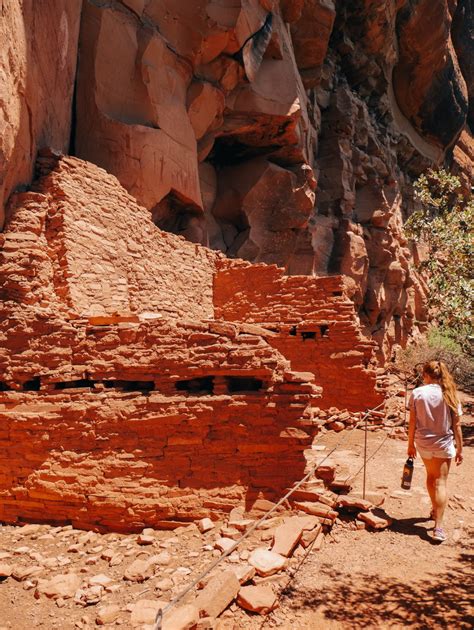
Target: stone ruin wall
311,322
122,414
146,379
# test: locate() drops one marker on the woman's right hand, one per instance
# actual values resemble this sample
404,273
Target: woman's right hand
411,451
459,457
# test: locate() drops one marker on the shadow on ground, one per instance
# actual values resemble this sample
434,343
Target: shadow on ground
468,435
366,601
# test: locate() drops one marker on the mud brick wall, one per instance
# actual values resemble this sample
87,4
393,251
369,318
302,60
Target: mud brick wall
316,327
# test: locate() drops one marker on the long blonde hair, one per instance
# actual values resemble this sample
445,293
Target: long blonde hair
439,372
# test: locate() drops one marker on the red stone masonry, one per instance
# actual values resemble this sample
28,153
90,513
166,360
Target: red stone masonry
315,326
145,380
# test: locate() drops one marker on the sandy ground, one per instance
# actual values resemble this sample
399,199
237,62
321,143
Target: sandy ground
395,578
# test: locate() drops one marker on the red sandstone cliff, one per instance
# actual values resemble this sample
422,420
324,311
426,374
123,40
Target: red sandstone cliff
281,132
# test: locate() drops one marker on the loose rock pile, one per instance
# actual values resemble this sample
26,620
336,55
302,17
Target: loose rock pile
124,580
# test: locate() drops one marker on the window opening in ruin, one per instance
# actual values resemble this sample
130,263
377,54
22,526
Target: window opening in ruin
202,385
243,384
33,385
324,330
83,382
293,331
308,335
4,387
337,293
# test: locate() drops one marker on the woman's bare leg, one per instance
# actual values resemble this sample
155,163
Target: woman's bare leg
437,470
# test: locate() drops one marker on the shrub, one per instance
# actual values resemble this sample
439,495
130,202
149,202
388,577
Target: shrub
443,223
438,345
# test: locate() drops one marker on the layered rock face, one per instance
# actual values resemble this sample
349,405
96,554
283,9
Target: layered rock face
146,380
273,100
38,59
280,132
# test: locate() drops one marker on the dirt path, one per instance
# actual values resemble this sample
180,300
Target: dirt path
396,578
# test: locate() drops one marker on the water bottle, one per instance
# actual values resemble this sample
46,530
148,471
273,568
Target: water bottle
407,473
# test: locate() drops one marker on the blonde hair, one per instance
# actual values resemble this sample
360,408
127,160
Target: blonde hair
439,372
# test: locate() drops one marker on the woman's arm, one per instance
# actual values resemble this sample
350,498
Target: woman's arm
457,437
411,434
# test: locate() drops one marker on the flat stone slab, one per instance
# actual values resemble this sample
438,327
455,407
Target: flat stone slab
266,562
224,544
257,599
354,503
374,521
244,573
316,509
181,618
220,591
205,525
287,536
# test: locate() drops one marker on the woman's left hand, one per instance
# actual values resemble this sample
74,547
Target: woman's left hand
411,450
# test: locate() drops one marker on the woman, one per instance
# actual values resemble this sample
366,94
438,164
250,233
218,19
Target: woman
434,420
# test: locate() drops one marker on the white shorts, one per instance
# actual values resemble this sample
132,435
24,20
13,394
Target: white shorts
447,453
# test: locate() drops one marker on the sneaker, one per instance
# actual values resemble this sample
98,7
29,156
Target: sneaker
439,534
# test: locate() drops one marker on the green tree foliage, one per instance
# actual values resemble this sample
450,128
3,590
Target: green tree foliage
444,224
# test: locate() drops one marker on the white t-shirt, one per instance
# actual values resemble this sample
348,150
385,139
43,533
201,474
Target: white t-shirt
433,418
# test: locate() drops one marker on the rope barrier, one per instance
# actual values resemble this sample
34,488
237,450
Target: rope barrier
161,612
366,460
